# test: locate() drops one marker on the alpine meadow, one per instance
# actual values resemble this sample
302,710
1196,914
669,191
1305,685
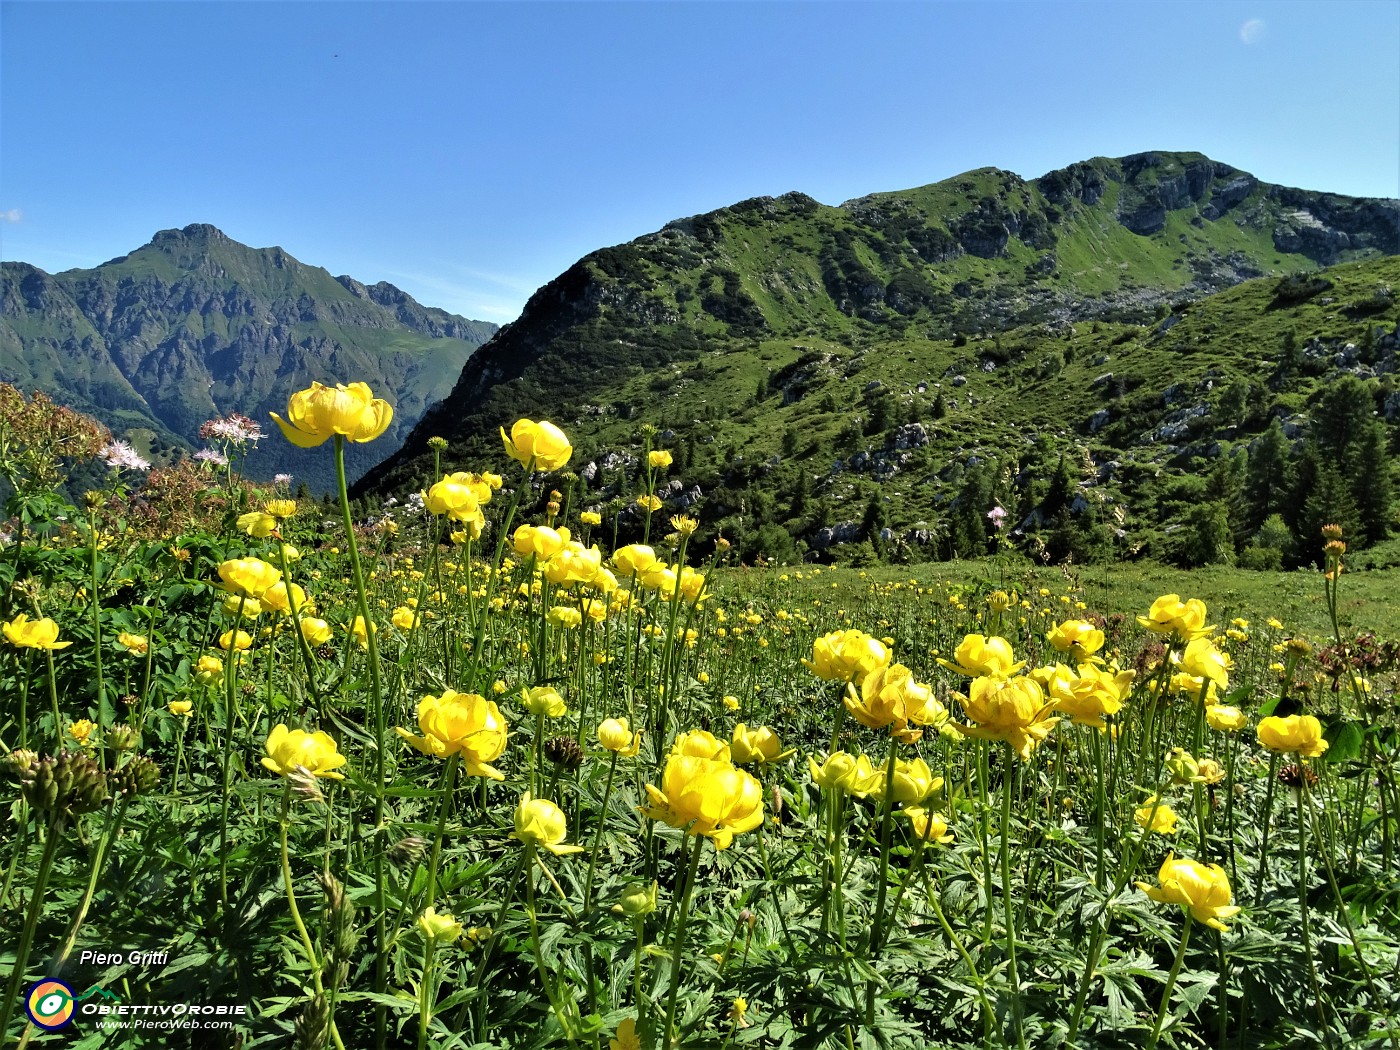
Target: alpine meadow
961,617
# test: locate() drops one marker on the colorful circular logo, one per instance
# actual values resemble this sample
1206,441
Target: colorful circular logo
50,1005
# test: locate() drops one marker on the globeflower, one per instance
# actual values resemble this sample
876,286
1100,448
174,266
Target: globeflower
36,634
706,796
1079,638
438,929
1203,660
927,825
461,724
544,701
181,708
208,670
754,745
459,496
1170,615
616,736
1202,891
1225,719
1296,734
1011,710
81,731
540,822
316,632
248,577
1090,696
320,412
288,749
1156,816
537,446
846,656
979,657
887,696
913,781
539,540
633,559
844,772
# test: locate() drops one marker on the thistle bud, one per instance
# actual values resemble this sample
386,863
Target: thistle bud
564,751
121,738
438,444
407,851
313,1024
137,777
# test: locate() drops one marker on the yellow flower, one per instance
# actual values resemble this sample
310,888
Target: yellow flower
314,752
913,781
541,822
544,700
461,724
39,634
1012,710
247,608
281,508
1225,719
1091,695
649,503
887,695
316,632
1209,771
980,657
737,1011
684,524
844,772
574,563
258,524
320,412
1203,660
183,708
1170,615
1203,891
590,517
754,745
627,1037
281,595
1079,638
634,559
459,496
1300,734
846,656
999,601
208,670
927,825
440,929
565,616
81,731
248,577
361,632
615,735
707,796
404,618
135,644
731,703
537,446
1158,817
238,640
1184,767
539,540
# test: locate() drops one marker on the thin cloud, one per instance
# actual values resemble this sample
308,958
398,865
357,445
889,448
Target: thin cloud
1252,31
13,215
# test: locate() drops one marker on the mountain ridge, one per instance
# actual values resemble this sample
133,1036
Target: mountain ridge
194,325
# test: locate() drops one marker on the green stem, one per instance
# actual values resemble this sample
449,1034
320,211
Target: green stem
1303,908
31,921
678,941
115,812
598,837
1171,983
550,991
1007,911
381,970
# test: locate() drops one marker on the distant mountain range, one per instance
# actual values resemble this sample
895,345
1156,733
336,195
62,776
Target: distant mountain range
196,325
820,369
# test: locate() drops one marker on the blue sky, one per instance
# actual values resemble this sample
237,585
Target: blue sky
469,152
